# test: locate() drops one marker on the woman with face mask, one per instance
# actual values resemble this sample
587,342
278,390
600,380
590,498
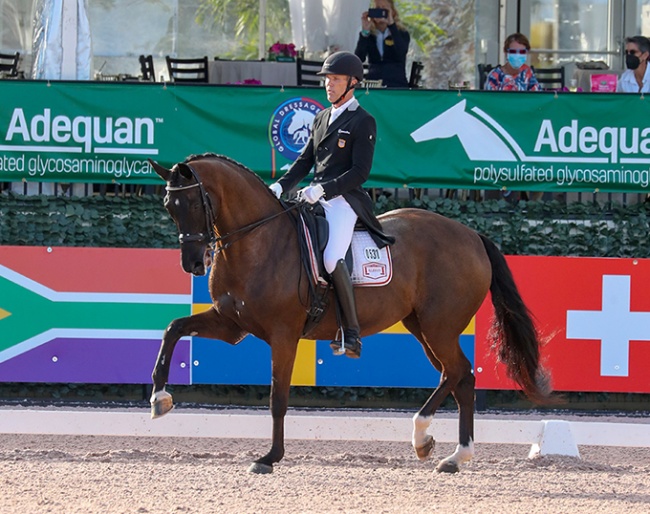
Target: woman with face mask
636,78
515,74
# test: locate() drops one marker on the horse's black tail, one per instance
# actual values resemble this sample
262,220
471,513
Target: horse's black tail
513,334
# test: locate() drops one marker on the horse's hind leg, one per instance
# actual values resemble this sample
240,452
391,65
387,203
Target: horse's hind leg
457,379
423,443
206,324
464,396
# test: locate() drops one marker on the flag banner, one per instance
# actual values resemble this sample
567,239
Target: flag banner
97,315
594,314
89,315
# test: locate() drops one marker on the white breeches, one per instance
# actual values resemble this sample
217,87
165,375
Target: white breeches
341,220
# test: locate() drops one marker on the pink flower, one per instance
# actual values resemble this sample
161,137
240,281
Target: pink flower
284,49
276,48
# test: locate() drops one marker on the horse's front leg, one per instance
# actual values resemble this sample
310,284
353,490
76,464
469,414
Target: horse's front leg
209,324
283,356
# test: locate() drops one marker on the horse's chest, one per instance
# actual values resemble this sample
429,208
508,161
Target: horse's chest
231,306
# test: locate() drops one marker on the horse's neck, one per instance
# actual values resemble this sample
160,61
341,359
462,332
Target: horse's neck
241,203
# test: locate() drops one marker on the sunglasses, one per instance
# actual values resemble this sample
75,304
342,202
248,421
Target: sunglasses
632,52
516,51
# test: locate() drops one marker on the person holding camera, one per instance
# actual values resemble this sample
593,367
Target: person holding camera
340,150
384,41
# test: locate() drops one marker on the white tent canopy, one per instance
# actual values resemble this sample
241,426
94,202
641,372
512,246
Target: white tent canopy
324,26
62,45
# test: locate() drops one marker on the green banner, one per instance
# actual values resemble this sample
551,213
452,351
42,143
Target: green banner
104,132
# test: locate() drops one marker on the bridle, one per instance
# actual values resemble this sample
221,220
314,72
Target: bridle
216,243
208,235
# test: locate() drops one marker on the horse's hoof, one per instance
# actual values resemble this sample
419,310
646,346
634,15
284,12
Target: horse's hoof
161,404
424,452
447,466
260,469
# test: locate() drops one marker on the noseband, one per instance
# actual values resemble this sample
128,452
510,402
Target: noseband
209,218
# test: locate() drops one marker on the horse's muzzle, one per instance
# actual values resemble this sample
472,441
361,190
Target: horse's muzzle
197,266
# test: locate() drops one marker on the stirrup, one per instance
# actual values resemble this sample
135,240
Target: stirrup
350,344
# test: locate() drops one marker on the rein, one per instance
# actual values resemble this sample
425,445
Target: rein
209,219
247,228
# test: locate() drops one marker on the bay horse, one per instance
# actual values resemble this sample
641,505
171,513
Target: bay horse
443,270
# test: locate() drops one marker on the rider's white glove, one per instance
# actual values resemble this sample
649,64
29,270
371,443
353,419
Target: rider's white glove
311,194
276,189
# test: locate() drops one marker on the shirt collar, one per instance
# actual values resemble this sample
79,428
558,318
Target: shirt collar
337,111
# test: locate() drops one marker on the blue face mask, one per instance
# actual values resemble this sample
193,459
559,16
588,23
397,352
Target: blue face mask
517,60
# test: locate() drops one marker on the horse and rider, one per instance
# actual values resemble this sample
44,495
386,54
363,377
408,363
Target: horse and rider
442,271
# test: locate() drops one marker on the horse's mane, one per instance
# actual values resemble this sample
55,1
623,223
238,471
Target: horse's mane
211,155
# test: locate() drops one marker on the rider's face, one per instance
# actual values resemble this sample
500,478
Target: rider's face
335,86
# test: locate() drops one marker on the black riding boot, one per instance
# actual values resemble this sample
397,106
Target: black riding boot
345,295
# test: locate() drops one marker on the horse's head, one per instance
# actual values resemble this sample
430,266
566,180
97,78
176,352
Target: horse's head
189,206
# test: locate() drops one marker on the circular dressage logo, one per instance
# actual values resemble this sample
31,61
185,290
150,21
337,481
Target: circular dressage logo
291,125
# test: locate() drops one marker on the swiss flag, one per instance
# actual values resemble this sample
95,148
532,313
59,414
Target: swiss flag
595,313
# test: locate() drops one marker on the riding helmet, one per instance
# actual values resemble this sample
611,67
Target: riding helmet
343,63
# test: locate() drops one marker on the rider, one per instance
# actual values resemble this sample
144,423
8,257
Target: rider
340,149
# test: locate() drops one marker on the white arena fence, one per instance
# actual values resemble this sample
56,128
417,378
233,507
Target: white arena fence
547,436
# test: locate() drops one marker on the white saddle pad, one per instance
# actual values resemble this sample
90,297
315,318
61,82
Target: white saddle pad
372,265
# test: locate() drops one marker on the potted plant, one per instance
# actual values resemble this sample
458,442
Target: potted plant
282,52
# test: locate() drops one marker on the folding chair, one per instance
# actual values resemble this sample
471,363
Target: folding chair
146,68
187,70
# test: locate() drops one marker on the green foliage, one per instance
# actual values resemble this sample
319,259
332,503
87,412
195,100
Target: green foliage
528,228
416,17
241,18
547,228
136,222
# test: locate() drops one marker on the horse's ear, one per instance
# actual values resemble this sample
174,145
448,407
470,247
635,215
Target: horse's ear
184,170
164,173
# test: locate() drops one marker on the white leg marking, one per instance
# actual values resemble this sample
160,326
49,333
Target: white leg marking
461,455
420,425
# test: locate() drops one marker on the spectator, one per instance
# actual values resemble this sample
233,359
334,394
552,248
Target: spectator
385,42
636,79
515,74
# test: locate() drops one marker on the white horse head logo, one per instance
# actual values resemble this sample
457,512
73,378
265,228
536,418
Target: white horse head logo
300,126
480,141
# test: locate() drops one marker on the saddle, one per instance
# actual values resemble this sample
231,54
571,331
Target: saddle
315,233
375,267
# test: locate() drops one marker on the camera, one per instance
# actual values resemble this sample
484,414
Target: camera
377,13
